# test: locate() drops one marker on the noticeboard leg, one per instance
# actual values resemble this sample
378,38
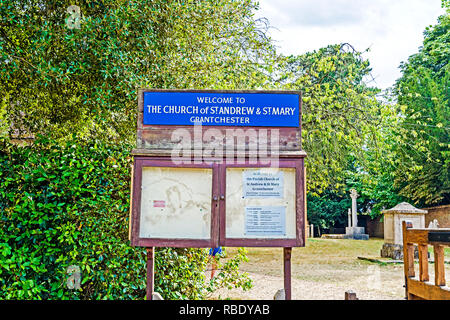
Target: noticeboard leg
287,252
150,272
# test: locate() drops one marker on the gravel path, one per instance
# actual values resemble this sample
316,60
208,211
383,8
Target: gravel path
389,286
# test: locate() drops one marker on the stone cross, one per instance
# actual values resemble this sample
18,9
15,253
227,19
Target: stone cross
354,195
349,217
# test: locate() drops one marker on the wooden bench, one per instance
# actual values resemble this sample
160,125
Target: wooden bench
421,288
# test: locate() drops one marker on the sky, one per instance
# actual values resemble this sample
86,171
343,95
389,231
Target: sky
391,29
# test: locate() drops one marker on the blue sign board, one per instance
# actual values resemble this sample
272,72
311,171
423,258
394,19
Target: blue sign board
221,109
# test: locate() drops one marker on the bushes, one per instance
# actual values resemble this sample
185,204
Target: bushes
328,210
69,205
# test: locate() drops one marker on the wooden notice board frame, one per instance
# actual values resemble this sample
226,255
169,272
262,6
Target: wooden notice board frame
136,240
299,240
218,206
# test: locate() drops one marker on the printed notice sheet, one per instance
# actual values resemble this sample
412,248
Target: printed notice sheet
265,221
262,184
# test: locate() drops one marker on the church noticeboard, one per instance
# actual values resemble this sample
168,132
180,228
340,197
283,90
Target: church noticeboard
214,201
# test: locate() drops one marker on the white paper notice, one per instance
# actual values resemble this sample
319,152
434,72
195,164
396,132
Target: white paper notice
264,221
262,184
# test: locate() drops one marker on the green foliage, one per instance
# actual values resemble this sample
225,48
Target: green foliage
340,112
181,273
229,275
420,143
328,209
372,177
61,206
59,79
4,125
376,190
69,205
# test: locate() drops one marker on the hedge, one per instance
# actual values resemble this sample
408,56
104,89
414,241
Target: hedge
64,205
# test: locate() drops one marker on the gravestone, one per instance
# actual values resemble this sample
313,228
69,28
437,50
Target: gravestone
157,296
393,237
349,217
354,232
433,224
280,295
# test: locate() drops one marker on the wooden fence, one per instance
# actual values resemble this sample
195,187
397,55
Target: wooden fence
422,288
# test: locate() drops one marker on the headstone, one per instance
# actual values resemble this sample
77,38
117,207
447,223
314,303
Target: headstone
353,231
433,224
349,217
156,296
280,295
393,237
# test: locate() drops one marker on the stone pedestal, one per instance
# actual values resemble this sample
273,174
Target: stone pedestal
355,233
395,251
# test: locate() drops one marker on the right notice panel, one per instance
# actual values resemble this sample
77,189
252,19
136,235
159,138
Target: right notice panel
260,203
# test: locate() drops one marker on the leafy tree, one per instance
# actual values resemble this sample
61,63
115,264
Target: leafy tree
328,209
61,74
421,143
340,111
373,181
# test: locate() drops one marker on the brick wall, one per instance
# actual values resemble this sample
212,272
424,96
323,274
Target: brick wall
441,213
375,228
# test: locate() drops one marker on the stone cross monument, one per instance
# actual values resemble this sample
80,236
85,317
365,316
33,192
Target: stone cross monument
353,231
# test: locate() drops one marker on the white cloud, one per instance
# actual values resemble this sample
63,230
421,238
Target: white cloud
312,13
393,30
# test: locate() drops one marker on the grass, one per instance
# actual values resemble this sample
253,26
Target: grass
325,255
318,251
446,251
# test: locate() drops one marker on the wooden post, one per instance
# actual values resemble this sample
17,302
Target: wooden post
305,200
439,270
408,251
423,263
287,253
150,272
408,256
350,295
